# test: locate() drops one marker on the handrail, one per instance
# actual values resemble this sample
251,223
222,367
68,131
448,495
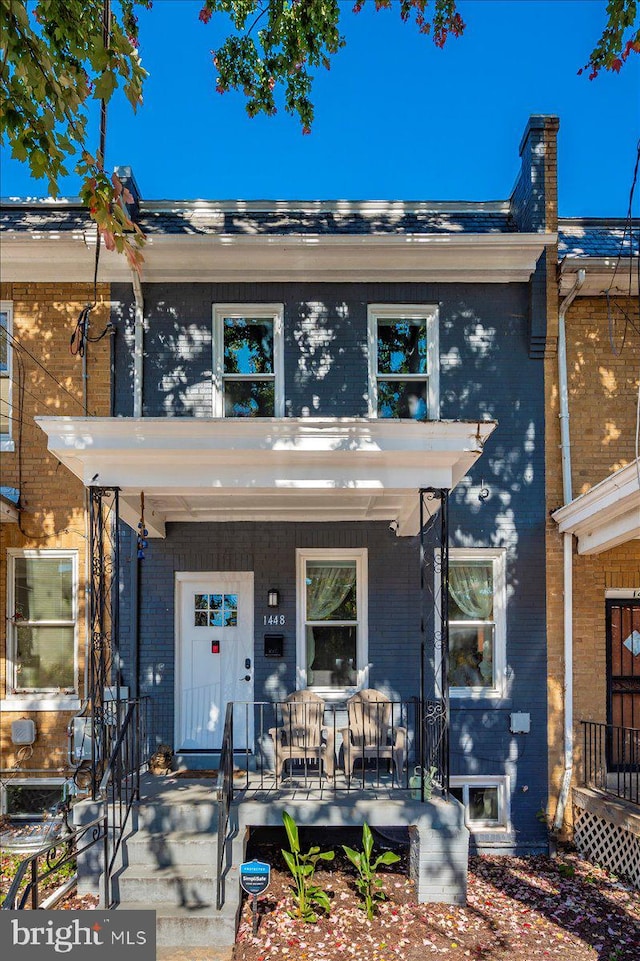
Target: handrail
224,795
119,788
611,759
70,850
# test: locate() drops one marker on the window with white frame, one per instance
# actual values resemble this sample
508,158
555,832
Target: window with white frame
403,362
34,798
477,617
43,618
485,800
248,360
6,316
332,618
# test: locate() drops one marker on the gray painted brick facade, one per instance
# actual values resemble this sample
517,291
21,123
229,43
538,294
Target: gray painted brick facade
486,371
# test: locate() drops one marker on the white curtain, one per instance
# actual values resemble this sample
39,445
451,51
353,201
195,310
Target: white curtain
471,587
327,587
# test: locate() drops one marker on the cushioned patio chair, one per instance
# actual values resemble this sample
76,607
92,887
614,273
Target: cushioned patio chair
303,736
371,735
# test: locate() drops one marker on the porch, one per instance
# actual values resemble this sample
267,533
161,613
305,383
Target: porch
607,803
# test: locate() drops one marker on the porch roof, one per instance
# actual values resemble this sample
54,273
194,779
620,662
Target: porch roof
607,515
289,469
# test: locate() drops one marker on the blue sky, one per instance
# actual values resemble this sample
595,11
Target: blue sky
396,118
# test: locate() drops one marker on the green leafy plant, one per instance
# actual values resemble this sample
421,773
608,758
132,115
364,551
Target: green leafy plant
307,896
368,885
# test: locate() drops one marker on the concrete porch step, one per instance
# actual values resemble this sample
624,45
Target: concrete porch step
184,885
191,817
180,927
168,848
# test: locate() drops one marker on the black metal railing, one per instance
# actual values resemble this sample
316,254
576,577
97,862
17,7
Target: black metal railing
368,745
120,784
119,788
224,795
611,759
42,865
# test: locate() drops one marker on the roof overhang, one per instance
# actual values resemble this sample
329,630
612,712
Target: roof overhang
617,275
8,511
68,256
607,515
290,469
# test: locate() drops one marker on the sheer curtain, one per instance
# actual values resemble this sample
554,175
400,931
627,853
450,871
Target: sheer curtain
471,587
327,587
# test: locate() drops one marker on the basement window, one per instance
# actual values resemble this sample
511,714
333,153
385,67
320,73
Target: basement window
485,800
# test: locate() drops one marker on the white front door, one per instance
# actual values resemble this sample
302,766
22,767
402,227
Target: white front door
214,658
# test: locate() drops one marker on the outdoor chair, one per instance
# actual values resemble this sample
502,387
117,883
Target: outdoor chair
371,735
303,736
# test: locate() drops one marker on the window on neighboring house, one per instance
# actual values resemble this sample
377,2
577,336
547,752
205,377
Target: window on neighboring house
403,362
476,621
42,602
332,635
33,798
5,374
485,800
248,365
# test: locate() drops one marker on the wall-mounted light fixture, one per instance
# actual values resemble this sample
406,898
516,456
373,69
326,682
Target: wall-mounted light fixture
273,598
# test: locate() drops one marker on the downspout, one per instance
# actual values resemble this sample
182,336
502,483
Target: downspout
138,344
565,447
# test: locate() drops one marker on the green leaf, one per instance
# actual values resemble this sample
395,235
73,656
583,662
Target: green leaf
327,855
367,840
354,856
387,858
291,861
105,85
292,832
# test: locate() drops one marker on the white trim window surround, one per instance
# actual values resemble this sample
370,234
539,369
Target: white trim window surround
477,622
403,361
42,592
34,798
485,799
6,362
248,360
332,630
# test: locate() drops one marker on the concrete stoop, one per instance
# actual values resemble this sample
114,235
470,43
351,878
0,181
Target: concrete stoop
167,861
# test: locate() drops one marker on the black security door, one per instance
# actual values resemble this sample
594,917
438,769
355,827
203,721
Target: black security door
623,670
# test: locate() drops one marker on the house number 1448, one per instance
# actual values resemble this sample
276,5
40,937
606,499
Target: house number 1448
274,620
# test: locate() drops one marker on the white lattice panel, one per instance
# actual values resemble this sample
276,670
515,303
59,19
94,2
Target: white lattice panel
607,844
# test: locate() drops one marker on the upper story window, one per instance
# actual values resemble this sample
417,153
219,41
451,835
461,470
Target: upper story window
477,635
42,639
248,360
5,375
403,362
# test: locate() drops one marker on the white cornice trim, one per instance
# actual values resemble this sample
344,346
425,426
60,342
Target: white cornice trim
322,468
600,272
605,516
491,258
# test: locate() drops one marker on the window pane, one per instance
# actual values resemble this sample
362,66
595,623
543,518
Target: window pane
471,591
483,803
331,591
33,800
331,656
4,405
471,655
402,346
402,398
245,398
44,588
45,658
248,345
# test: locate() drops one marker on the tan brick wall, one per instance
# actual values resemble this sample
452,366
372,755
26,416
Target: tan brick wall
602,404
44,316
